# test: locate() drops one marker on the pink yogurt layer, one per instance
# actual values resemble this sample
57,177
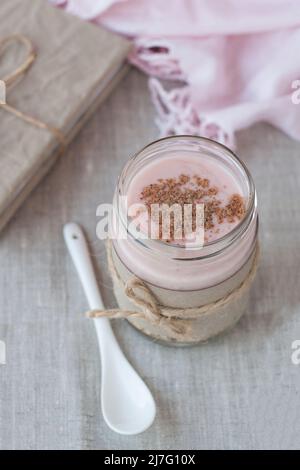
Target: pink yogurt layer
175,164
163,270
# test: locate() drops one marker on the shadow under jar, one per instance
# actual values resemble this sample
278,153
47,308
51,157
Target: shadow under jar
201,290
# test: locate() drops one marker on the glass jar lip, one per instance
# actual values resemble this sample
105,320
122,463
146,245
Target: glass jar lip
232,234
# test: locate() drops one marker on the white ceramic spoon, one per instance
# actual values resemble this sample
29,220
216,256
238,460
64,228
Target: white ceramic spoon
127,404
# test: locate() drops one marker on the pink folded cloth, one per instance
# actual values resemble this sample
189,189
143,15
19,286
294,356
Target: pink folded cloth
237,61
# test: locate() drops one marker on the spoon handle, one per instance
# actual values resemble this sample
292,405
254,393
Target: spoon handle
78,249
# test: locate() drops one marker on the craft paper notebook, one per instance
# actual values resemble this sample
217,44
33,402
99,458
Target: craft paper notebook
76,65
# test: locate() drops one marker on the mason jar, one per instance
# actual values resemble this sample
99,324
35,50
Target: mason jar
204,289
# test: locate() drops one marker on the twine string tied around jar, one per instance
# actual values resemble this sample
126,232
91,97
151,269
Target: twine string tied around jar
174,320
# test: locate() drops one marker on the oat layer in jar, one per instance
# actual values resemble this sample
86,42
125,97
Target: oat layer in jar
182,293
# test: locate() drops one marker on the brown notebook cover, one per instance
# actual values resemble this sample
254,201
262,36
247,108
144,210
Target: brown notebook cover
77,65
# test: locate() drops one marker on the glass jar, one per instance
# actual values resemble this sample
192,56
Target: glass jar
187,278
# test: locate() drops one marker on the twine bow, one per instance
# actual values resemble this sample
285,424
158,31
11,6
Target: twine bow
177,321
11,79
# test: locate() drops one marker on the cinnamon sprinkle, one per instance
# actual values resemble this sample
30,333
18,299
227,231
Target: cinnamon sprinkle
193,190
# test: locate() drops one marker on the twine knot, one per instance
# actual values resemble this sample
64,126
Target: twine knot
177,321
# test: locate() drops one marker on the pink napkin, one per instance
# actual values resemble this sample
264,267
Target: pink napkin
238,61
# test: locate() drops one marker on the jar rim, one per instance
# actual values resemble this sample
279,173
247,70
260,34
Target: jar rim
219,243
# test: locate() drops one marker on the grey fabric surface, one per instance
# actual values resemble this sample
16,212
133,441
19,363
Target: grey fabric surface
239,391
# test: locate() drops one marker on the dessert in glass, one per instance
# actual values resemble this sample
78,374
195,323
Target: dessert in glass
203,287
